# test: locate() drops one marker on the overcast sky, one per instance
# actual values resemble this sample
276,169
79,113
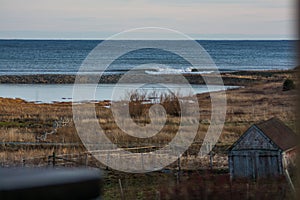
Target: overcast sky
200,19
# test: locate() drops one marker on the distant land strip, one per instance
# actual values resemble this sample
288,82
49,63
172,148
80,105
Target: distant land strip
238,78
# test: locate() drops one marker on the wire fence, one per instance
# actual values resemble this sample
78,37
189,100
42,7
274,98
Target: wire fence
188,161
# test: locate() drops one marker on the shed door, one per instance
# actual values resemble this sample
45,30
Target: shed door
267,166
243,166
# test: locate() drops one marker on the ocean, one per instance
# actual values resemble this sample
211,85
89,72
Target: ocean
20,57
28,57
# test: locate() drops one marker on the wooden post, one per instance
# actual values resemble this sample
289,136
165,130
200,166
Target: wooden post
121,190
53,159
142,157
157,195
107,160
154,158
230,165
287,176
179,170
86,160
49,160
210,160
179,164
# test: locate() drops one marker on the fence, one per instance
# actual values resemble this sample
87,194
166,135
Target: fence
138,154
54,160
73,154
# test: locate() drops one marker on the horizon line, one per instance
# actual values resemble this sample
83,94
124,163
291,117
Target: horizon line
102,39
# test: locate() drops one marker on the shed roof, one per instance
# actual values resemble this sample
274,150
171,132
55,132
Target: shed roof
279,133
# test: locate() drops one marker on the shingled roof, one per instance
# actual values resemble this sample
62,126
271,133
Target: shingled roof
279,133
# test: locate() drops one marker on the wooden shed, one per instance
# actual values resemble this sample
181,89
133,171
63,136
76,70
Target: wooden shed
264,150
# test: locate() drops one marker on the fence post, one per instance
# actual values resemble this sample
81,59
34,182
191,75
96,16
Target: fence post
53,159
86,160
49,160
142,157
107,160
157,195
211,160
179,170
121,190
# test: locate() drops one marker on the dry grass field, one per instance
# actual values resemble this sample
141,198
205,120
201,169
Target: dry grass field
23,138
258,99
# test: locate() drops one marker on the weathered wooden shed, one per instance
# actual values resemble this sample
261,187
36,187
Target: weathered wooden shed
264,150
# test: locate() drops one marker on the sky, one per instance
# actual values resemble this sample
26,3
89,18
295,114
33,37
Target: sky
199,19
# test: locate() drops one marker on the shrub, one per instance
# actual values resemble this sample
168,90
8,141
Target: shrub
288,85
140,102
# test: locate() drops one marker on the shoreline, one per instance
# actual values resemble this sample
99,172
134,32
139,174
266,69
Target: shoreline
237,78
240,79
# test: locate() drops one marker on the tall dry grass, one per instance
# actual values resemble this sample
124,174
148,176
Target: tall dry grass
23,121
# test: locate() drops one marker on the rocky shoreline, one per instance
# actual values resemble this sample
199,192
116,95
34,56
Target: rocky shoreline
234,78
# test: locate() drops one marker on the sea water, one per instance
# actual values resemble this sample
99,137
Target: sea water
28,57
19,57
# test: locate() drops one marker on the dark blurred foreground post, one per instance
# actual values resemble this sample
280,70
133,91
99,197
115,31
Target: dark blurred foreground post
50,184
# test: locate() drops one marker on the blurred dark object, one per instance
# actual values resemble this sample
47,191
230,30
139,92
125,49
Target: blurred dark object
50,184
288,85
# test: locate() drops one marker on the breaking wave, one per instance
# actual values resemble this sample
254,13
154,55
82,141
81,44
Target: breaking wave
188,70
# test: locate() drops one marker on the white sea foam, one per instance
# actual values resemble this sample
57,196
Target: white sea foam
188,70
